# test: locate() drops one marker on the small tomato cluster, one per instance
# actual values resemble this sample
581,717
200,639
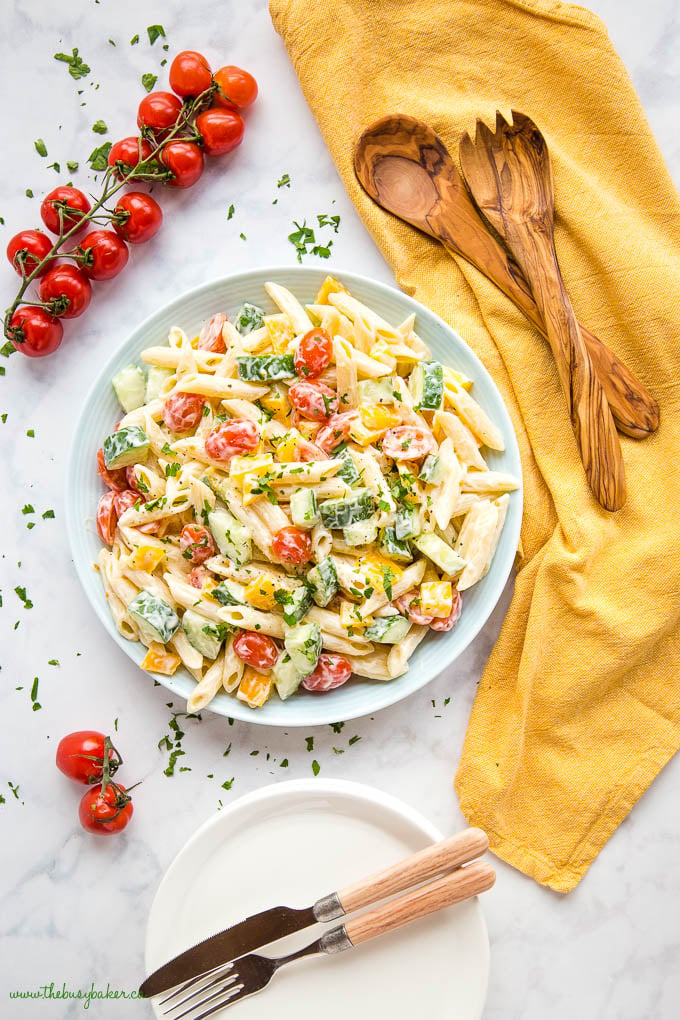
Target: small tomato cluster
89,757
177,129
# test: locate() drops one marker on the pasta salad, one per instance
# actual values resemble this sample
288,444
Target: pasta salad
294,498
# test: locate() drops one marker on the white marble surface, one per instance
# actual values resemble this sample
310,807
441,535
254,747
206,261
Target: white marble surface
73,909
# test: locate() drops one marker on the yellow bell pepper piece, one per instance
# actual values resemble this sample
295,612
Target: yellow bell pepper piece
279,336
158,660
378,418
260,593
379,569
308,429
254,688
329,286
351,618
436,598
286,445
277,404
239,467
146,557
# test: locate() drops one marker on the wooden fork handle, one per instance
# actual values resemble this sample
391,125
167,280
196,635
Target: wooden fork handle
433,860
460,885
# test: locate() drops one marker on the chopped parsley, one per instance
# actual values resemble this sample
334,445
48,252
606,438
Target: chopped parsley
21,594
53,662
172,469
99,127
316,768
134,40
28,509
155,32
98,158
284,182
353,740
48,515
40,147
149,80
72,165
77,67
337,726
231,211
388,575
166,448
284,764
329,221
228,783
310,743
243,236
34,695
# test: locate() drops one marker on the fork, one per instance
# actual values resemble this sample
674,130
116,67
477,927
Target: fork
229,984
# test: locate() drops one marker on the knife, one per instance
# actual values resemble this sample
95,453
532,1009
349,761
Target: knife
270,925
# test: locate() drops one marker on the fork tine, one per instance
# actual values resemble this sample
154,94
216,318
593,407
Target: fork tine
192,982
230,989
233,997
223,977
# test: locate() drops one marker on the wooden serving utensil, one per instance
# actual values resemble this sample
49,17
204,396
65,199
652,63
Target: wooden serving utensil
509,175
404,166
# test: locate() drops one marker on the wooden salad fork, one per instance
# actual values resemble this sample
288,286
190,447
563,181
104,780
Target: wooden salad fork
508,172
404,166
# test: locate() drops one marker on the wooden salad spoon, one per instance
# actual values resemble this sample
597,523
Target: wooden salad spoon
509,175
404,166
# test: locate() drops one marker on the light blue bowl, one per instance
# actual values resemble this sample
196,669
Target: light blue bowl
358,697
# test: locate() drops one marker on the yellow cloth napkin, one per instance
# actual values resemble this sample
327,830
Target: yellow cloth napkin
579,705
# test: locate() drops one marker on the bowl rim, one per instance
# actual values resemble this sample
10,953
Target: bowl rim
380,694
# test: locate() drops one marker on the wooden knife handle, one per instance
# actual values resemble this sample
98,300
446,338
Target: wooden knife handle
427,863
460,885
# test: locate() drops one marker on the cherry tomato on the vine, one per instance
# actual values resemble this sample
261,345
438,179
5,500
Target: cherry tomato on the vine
257,650
184,160
196,544
292,545
73,205
35,332
221,130
313,354
236,88
69,288
137,217
113,478
190,74
182,411
105,811
127,153
102,255
80,756
158,112
27,249
231,438
331,671
106,517
313,400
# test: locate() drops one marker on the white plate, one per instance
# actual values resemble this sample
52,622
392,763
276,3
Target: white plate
290,844
83,488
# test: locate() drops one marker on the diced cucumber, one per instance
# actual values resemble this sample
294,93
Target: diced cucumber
349,472
286,677
432,470
296,604
407,522
361,532
323,580
130,387
303,644
441,554
376,391
427,385
227,594
129,445
205,636
346,510
249,317
303,509
265,367
388,630
156,619
155,378
232,537
393,547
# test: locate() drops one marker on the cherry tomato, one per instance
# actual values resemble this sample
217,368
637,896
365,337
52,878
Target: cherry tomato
158,112
258,650
35,332
123,501
408,605
137,217
236,88
331,671
337,430
308,451
313,354
449,622
198,576
66,285
102,255
127,153
196,544
80,756
152,528
72,203
183,411
113,478
185,162
107,518
313,400
221,130
104,812
231,438
407,442
210,337
190,74
292,545
27,249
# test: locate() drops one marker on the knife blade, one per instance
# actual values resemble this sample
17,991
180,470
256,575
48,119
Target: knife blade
267,926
